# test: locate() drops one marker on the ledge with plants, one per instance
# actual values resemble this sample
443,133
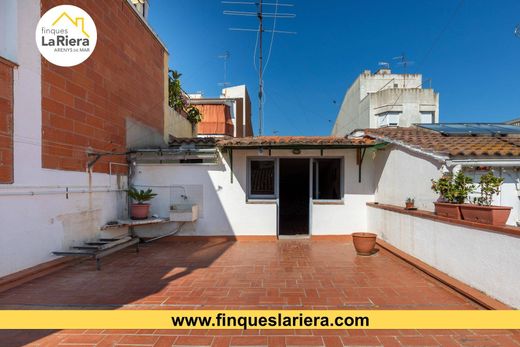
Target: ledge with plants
454,191
141,208
179,100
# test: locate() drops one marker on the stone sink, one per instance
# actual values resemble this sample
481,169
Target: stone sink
184,212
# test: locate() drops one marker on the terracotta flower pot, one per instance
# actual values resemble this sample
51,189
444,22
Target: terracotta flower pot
494,215
445,209
364,243
409,205
139,211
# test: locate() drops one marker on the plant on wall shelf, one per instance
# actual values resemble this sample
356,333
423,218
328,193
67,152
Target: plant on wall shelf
489,186
179,101
463,187
444,187
141,209
481,211
453,189
141,196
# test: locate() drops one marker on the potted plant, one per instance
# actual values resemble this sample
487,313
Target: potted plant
453,191
364,243
481,211
140,209
410,204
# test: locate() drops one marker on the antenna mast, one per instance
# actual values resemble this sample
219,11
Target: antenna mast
225,56
260,72
404,62
260,14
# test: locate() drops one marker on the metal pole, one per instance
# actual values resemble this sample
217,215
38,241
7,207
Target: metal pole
260,71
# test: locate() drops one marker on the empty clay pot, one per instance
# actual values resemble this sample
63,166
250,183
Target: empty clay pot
364,243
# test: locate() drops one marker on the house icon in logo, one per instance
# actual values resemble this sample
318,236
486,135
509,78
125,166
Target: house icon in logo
76,22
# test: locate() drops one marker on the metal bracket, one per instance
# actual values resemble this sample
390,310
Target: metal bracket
93,161
360,157
231,164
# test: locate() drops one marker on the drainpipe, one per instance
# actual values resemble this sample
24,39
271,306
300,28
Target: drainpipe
56,192
479,162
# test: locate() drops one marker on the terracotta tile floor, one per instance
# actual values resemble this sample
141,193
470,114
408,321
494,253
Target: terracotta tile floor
297,274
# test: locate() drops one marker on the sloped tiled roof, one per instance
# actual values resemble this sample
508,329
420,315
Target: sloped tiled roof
274,141
177,141
453,145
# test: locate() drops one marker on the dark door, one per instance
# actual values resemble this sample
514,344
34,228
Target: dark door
294,197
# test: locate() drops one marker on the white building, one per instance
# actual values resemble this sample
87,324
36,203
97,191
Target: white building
386,99
515,121
262,186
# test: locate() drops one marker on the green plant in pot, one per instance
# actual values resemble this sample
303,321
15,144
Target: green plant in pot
140,209
453,191
410,203
482,210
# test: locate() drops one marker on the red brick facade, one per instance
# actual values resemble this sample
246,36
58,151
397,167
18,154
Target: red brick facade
6,122
85,106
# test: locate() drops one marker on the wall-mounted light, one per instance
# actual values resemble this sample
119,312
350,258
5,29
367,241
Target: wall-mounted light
296,151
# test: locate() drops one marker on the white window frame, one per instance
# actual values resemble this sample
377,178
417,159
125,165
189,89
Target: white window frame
388,119
251,196
427,113
315,177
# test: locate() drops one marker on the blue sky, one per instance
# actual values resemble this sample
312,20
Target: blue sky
473,59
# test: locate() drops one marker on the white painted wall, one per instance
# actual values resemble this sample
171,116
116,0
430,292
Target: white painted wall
226,210
400,174
350,216
485,260
34,226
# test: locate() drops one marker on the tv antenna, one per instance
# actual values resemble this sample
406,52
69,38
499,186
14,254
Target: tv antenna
260,15
384,65
225,56
404,62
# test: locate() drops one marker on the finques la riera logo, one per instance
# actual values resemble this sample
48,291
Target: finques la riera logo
66,35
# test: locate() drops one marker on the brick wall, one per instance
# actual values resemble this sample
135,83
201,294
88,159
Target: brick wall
6,122
86,105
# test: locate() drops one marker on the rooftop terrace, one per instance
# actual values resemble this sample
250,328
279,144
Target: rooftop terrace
181,273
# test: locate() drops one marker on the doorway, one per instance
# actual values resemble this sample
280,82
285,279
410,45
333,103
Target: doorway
294,197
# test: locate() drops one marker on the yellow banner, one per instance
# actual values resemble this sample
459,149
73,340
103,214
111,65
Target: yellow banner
258,319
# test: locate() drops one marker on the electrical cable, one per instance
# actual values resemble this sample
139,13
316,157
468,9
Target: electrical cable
272,37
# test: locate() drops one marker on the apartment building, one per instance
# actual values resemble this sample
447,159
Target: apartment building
384,99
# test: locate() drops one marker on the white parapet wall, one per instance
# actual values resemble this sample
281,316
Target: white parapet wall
485,260
39,216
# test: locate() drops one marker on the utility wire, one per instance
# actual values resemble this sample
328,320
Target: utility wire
256,47
439,36
272,36
428,52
